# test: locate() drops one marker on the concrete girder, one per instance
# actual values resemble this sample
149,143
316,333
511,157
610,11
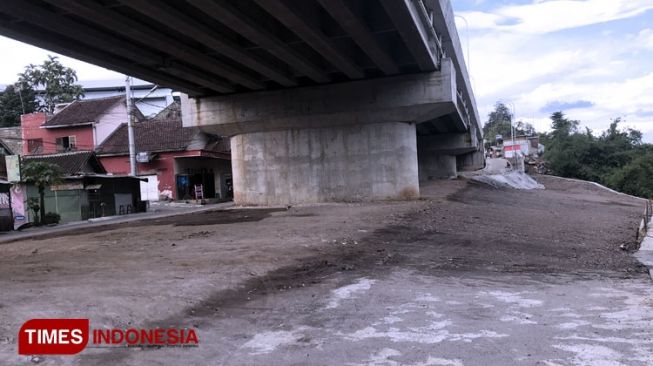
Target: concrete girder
404,14
40,17
312,36
241,23
136,31
91,37
23,33
168,16
189,74
360,34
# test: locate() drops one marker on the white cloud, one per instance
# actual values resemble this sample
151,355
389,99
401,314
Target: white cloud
645,38
532,56
553,15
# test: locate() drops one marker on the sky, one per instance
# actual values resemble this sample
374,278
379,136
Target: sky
591,59
21,55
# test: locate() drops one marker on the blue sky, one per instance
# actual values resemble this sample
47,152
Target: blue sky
593,59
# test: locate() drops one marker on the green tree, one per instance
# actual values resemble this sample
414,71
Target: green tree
561,126
54,83
524,128
634,178
42,175
617,158
498,123
570,153
15,101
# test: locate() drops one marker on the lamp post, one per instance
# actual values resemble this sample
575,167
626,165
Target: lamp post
130,128
512,131
512,135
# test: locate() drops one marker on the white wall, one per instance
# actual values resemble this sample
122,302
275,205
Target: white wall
109,121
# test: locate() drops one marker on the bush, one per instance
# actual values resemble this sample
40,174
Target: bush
52,218
635,178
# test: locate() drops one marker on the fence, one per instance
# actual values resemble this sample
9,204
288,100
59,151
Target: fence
642,230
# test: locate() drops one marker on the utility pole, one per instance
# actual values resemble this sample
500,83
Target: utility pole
130,128
20,95
512,126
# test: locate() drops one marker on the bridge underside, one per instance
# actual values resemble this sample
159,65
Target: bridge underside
323,99
207,47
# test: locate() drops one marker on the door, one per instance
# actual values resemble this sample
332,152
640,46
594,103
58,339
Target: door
150,189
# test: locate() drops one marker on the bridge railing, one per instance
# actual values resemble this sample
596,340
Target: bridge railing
426,17
464,108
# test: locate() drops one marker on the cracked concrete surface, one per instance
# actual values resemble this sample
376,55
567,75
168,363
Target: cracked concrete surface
431,282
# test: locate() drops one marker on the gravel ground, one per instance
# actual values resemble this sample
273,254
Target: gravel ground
467,275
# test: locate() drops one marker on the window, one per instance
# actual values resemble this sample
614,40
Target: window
67,143
35,146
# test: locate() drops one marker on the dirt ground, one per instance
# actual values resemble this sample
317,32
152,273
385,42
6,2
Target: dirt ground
212,270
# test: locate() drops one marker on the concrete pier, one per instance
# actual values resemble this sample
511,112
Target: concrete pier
471,161
442,156
353,141
437,166
341,163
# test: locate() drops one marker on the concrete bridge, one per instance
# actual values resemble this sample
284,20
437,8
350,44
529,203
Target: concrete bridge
324,100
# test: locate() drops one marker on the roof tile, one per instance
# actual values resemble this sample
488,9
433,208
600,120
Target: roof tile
165,132
71,163
82,111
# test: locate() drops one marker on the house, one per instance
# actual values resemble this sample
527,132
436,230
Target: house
176,160
6,215
11,140
80,125
149,98
85,192
526,145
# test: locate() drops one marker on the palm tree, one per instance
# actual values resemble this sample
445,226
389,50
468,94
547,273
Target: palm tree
42,175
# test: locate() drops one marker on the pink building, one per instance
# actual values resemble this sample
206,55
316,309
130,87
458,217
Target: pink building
174,159
80,125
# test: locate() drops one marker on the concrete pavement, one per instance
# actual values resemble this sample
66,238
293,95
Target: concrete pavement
406,318
645,253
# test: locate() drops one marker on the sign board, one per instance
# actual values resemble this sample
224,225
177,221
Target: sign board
199,192
150,189
4,201
67,186
13,168
18,205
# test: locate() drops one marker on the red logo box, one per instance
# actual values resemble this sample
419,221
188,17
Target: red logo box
53,336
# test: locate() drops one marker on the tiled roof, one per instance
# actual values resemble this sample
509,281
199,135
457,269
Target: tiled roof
83,111
172,111
159,135
71,163
11,137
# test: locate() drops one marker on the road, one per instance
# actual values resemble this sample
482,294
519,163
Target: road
468,275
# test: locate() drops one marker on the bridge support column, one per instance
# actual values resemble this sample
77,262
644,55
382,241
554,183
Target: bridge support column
345,163
437,166
351,141
471,161
441,156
